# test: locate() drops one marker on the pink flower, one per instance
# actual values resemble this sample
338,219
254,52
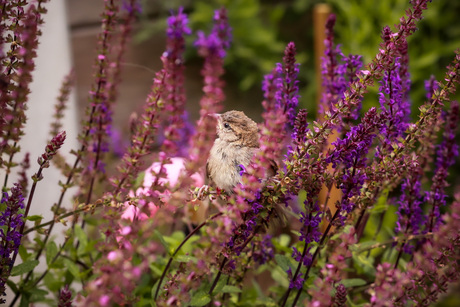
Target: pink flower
172,171
113,255
104,300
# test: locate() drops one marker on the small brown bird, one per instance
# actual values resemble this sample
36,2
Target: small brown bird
237,141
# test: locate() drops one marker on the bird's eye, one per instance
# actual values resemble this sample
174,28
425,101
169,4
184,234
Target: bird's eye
226,125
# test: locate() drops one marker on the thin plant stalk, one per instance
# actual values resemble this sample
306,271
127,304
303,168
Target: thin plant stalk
171,258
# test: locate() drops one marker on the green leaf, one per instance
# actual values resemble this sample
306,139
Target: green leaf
220,284
13,285
139,180
363,264
82,239
37,294
362,246
25,300
23,253
230,289
284,239
51,252
73,268
24,267
200,298
35,218
280,276
353,282
52,283
185,258
175,239
382,203
283,262
162,239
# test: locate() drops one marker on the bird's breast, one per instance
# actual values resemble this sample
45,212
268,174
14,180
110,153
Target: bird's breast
224,163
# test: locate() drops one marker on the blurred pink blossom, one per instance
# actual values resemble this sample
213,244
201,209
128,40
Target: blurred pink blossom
172,171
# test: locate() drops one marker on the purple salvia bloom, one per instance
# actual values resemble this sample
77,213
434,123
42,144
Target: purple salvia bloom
410,213
297,256
333,81
175,124
446,155
218,41
309,231
265,251
287,94
222,28
351,152
297,283
11,221
178,25
98,126
300,128
391,101
431,85
65,297
132,6
353,64
51,149
357,141
117,143
242,169
340,299
270,86
336,76
405,79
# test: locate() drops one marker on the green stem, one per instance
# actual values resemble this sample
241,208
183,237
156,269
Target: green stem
61,217
178,249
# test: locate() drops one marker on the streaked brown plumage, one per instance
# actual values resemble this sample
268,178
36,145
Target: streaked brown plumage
237,140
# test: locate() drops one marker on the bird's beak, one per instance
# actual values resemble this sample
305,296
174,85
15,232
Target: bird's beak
218,118
215,115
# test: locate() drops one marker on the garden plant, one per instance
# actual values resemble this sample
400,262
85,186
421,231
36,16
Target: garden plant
360,211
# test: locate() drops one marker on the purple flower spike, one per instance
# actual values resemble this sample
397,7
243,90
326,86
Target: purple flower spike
338,71
431,85
132,6
65,297
393,101
218,40
297,283
11,221
178,25
265,250
287,94
176,131
410,213
446,154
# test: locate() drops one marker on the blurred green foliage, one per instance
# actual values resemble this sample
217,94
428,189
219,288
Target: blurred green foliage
261,30
431,48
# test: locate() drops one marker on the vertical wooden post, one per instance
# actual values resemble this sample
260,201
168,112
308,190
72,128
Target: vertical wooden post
321,12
